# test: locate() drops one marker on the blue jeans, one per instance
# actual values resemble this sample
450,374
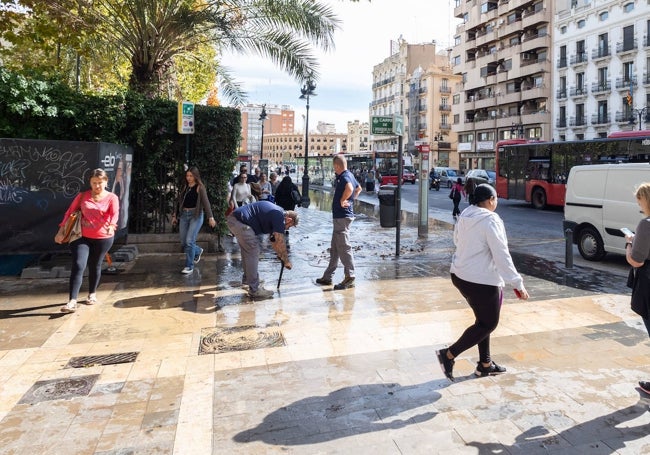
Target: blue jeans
188,228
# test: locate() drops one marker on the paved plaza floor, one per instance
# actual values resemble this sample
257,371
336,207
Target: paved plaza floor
173,364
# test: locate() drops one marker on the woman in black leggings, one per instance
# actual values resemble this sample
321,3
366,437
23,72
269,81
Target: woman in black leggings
480,268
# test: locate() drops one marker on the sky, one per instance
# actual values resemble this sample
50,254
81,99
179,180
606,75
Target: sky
344,90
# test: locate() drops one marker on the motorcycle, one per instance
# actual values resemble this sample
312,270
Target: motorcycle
434,182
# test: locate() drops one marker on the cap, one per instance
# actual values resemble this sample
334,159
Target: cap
483,192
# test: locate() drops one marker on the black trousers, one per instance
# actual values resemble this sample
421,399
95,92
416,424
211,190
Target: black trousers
485,301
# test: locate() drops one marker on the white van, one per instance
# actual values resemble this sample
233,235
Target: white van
599,202
448,176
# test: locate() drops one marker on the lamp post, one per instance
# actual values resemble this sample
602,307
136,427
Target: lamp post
306,91
641,113
262,118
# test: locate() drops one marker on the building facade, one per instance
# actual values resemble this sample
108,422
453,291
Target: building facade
601,80
358,139
502,52
279,119
283,149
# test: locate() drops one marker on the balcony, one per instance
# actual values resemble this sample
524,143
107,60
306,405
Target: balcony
646,78
445,126
536,42
536,117
533,17
601,119
422,126
445,108
561,123
562,62
511,97
601,88
579,59
445,89
626,47
601,53
578,122
624,83
624,117
577,92
484,101
561,94
534,93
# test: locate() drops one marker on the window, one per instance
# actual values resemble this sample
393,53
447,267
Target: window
628,38
602,111
456,99
534,133
580,81
456,119
603,45
628,71
457,40
603,16
580,114
456,60
581,23
602,77
563,29
628,7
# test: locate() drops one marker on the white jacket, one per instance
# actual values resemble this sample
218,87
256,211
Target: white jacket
482,254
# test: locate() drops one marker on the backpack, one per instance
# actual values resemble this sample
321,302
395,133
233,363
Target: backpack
295,195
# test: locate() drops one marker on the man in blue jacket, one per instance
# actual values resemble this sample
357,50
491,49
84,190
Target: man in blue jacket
346,191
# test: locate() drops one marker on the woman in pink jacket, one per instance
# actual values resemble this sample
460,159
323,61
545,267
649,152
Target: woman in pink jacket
100,210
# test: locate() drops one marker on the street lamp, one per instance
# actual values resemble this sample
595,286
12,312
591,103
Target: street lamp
262,118
306,91
641,113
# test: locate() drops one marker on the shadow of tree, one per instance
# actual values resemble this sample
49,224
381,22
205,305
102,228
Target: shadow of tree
348,411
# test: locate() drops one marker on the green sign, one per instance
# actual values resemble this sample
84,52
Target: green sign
381,125
185,117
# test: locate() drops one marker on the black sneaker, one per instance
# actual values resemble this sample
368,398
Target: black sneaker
197,258
645,386
347,283
323,281
446,363
493,369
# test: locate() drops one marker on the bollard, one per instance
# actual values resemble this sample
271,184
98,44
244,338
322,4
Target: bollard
568,248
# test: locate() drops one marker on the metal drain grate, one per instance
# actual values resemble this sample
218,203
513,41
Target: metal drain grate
107,359
214,341
59,389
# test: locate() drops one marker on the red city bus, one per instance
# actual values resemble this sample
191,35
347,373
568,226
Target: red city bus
537,171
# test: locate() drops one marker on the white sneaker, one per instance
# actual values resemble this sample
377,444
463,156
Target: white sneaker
261,293
187,270
70,307
92,299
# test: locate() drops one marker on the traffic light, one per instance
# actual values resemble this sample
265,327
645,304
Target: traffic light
629,99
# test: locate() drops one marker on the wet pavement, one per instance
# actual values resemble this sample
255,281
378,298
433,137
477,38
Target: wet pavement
167,363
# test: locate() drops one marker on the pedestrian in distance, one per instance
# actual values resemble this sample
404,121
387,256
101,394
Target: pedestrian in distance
284,194
346,191
470,186
100,211
265,185
456,194
250,221
274,181
242,170
637,254
255,177
481,265
191,207
241,192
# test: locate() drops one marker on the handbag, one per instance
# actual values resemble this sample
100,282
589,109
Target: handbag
72,227
451,193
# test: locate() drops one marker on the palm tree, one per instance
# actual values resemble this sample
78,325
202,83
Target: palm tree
150,33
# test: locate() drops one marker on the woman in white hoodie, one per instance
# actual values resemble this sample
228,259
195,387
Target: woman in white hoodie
480,268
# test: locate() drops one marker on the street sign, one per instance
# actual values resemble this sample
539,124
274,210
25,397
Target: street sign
398,125
381,125
185,117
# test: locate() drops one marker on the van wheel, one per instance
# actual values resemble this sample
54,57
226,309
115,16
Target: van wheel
590,244
448,183
538,198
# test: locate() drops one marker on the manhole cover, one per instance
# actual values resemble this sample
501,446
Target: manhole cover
242,338
59,389
107,359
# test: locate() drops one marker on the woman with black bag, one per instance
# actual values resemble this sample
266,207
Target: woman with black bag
100,211
287,193
637,253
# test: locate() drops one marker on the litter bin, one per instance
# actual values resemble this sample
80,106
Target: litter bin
387,212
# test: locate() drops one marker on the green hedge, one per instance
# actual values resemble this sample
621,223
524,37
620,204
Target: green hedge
39,108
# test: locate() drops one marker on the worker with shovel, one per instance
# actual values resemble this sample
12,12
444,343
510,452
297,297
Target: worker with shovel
251,220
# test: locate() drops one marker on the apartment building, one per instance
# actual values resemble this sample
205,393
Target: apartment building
279,119
602,65
502,52
390,86
358,137
283,148
429,111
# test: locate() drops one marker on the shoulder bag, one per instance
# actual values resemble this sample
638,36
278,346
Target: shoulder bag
72,227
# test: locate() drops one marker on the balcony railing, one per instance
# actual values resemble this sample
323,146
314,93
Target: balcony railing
625,82
578,121
562,62
624,117
601,52
626,46
445,126
445,107
561,93
445,89
579,58
601,119
561,123
578,91
601,87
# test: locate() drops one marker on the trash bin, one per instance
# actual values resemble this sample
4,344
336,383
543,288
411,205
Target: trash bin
387,211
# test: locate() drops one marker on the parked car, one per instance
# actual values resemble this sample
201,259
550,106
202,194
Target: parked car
448,176
408,175
482,176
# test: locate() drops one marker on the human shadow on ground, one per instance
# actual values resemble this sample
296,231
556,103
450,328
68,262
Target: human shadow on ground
602,435
201,301
353,410
30,312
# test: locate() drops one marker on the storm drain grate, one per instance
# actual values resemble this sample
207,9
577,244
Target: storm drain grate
107,359
59,389
244,338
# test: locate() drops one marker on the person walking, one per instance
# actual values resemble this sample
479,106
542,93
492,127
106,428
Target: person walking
241,192
284,195
265,185
251,220
637,254
481,265
100,211
470,186
274,181
189,213
346,191
456,194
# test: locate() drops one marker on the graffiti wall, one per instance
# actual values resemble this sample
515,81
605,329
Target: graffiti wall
38,181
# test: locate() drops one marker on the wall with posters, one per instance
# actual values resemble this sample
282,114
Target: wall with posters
40,178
